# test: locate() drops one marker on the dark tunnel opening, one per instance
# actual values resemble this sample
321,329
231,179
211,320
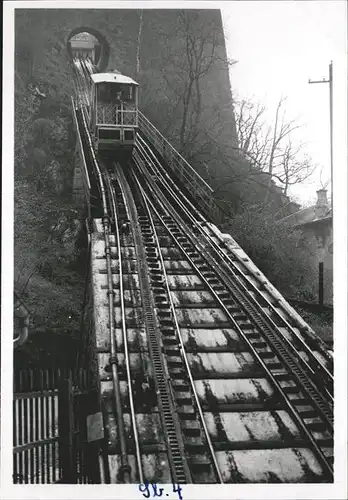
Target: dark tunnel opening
83,36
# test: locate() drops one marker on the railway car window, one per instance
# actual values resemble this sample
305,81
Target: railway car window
108,92
115,92
127,93
112,92
103,92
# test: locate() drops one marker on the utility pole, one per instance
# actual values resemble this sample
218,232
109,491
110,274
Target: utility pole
330,82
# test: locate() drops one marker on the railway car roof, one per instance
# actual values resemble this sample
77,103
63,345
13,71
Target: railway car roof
112,78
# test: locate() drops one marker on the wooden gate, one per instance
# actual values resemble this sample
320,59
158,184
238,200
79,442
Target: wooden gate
50,412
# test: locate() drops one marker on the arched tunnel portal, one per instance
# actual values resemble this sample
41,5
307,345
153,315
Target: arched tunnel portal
102,52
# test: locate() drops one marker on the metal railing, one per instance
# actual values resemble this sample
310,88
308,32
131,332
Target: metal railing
84,170
114,115
201,191
36,447
49,428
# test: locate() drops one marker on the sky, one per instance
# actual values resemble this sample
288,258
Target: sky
279,45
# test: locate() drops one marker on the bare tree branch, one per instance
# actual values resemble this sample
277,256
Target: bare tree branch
272,149
184,71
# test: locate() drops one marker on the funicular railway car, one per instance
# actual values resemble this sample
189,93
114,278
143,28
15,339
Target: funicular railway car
114,111
83,49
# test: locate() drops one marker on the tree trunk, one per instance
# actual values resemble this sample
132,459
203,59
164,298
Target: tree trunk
139,41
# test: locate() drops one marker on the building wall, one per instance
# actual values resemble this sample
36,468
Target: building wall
321,236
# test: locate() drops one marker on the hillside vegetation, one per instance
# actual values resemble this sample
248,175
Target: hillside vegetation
46,223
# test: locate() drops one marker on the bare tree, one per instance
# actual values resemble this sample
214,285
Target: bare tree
272,149
139,42
251,140
198,47
292,169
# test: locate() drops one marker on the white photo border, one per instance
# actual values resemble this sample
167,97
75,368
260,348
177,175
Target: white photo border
337,490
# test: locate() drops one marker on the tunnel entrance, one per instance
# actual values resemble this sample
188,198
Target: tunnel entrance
88,42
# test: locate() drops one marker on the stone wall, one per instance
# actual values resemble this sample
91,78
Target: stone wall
138,44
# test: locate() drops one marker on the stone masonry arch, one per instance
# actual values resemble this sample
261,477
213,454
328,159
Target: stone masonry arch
104,57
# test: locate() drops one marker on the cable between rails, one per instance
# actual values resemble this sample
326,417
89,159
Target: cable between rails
124,328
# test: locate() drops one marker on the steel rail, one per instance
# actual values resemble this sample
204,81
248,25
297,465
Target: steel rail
204,221
124,330
301,325
188,167
84,170
297,371
125,470
81,145
236,270
147,202
80,83
179,468
318,452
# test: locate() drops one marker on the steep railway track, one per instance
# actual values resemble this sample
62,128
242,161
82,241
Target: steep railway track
204,375
118,210
237,264
173,438
196,442
183,334
311,410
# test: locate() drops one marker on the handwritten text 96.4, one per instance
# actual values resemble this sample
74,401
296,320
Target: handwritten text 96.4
152,490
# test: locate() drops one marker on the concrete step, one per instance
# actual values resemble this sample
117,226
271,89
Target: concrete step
186,412
183,397
191,428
